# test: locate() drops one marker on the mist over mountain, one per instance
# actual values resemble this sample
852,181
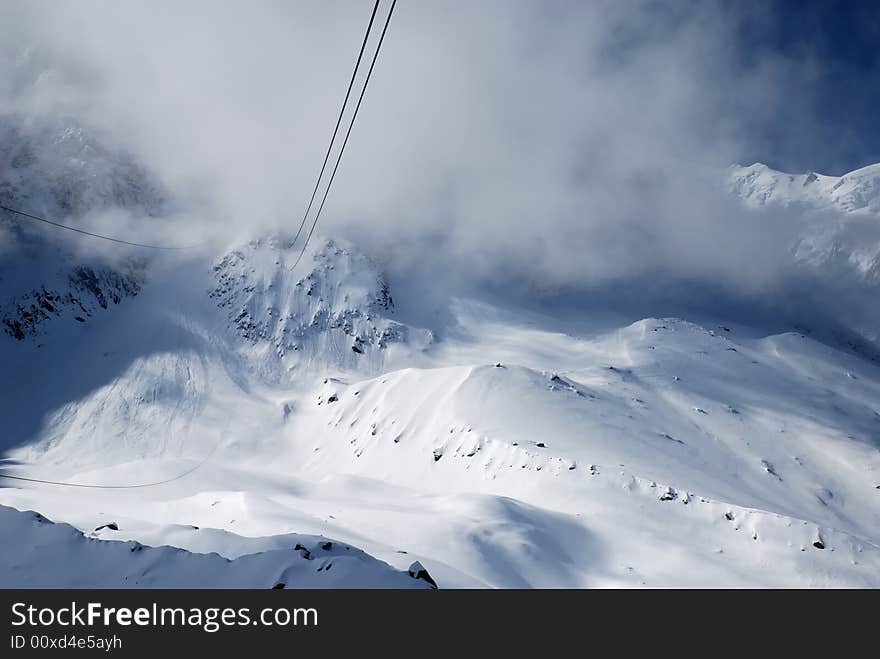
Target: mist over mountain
546,335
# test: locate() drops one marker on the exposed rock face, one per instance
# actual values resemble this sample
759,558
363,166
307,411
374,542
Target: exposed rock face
335,303
78,296
418,571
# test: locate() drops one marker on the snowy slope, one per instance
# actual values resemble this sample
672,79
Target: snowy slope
714,412
664,453
47,555
269,403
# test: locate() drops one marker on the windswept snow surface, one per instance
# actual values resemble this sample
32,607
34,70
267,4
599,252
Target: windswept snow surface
509,454
47,555
258,404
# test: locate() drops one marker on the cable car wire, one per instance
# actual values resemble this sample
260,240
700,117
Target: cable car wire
96,235
338,121
347,134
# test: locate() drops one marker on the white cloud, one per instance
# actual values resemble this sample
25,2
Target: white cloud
568,143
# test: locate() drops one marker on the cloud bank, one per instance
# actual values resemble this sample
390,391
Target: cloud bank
563,145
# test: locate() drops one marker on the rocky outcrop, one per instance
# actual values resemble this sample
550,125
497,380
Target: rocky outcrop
78,296
335,303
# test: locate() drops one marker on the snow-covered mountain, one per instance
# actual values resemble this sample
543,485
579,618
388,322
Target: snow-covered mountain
283,415
838,232
58,169
45,554
858,190
336,309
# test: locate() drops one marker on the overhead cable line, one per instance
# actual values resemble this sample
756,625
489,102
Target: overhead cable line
118,487
95,235
338,121
100,487
347,134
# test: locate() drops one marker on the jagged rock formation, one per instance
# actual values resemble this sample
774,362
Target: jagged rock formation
83,292
335,303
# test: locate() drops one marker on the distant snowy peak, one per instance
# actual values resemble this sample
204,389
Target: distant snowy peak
59,168
761,185
55,167
838,232
334,306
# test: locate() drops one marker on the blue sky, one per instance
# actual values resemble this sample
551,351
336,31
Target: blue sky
831,121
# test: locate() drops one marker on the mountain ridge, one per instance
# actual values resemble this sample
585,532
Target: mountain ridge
270,397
